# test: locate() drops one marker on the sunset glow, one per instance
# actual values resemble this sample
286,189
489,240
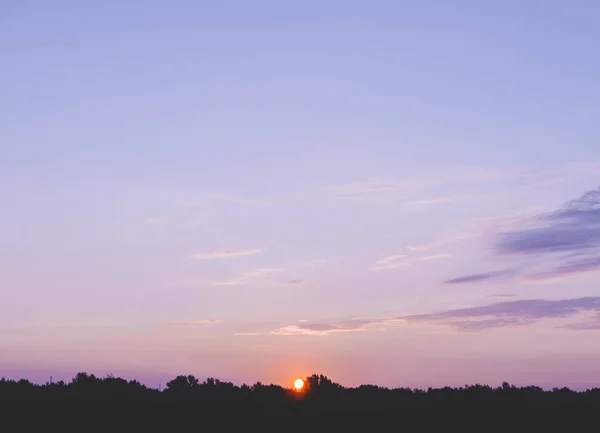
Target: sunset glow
403,194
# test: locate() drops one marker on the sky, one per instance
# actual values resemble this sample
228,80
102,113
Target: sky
397,193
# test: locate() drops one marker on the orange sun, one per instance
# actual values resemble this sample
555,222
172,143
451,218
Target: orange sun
298,384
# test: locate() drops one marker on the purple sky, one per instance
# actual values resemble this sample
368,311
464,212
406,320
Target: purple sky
400,193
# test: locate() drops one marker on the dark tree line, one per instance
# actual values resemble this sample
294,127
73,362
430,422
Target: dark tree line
319,396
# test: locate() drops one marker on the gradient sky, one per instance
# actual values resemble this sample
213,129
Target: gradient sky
402,193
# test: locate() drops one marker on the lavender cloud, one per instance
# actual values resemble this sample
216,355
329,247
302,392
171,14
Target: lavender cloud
590,264
571,231
510,313
295,281
322,329
480,325
527,308
475,278
573,228
496,315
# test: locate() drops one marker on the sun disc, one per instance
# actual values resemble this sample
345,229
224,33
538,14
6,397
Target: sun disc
298,384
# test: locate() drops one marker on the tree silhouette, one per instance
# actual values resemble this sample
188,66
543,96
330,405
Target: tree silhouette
320,396
183,383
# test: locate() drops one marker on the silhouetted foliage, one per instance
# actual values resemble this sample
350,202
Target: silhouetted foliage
319,396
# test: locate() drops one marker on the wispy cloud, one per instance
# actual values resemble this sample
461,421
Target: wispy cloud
432,257
480,325
298,273
515,219
486,276
195,323
412,191
391,262
245,277
402,260
510,313
585,265
305,327
443,242
154,220
222,253
373,190
386,191
502,295
322,329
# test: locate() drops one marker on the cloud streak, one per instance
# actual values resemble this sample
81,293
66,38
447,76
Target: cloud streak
391,262
223,253
510,313
245,277
195,323
496,315
392,190
586,265
480,325
486,276
443,242
323,329
402,260
376,190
